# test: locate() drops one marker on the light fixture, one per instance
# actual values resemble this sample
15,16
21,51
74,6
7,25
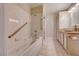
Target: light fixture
14,20
77,4
73,8
69,11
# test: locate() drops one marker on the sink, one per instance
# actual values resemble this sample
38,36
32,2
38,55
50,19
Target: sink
76,31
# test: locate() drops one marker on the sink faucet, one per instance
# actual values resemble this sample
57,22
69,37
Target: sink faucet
75,29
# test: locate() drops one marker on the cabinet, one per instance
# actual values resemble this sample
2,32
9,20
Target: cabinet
63,39
67,22
70,41
73,43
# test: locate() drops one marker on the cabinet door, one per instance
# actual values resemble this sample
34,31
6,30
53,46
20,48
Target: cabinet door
73,46
61,40
65,41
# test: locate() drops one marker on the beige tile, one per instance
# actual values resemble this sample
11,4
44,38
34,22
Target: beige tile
52,48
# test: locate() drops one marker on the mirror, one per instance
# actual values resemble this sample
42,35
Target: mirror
74,12
75,17
69,19
64,20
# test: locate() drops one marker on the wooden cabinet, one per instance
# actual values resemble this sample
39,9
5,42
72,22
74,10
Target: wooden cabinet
73,43
70,41
63,39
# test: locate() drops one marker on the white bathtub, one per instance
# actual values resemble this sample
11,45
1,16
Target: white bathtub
34,49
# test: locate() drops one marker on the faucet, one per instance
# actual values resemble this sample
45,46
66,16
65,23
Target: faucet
75,29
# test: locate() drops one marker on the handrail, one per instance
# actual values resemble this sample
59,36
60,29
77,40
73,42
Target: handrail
17,30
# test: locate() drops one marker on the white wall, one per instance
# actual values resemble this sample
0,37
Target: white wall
36,24
50,26
20,16
50,23
2,27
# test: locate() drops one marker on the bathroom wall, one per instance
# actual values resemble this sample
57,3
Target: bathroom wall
50,26
50,23
2,27
36,21
36,24
15,17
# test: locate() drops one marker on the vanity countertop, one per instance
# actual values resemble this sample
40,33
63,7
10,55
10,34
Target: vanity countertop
69,31
73,32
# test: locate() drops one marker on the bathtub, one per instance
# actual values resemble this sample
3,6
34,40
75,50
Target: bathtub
34,49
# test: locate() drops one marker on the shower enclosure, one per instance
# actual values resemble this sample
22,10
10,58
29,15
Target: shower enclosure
36,22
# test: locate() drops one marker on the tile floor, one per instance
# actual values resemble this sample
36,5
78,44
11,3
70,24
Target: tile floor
52,47
47,47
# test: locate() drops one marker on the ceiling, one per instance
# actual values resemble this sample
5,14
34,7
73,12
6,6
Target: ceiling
56,7
50,7
34,4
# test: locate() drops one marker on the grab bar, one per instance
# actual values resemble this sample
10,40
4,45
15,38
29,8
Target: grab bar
17,30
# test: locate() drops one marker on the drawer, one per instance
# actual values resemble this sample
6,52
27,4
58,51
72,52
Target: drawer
73,46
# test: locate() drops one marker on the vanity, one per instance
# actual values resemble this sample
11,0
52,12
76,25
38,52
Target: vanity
70,41
69,31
